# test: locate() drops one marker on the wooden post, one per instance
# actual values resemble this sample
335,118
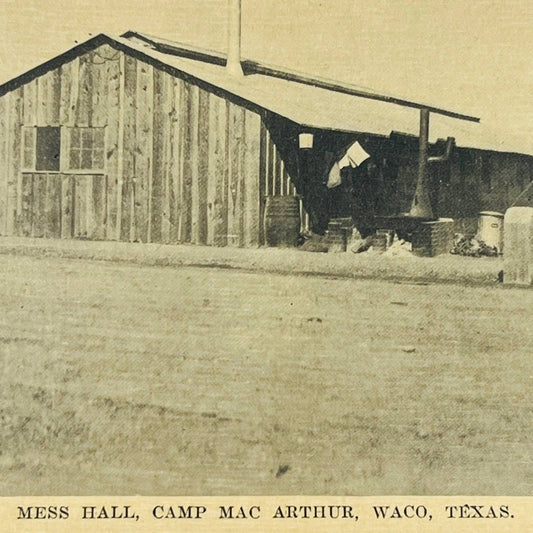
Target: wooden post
127,225
252,174
217,170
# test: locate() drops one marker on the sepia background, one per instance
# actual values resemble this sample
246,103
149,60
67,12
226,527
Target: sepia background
128,377
470,56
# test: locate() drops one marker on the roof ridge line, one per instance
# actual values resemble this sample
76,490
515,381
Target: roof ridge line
255,67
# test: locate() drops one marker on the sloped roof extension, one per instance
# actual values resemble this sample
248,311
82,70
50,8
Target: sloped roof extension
313,103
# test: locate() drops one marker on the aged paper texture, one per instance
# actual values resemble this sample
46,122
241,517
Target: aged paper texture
236,279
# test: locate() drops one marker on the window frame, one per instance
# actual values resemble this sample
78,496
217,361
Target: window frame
64,153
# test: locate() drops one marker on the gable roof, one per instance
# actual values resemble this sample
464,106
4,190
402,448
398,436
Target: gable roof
313,103
251,67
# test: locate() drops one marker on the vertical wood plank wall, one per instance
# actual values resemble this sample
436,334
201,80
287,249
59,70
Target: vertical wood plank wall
181,164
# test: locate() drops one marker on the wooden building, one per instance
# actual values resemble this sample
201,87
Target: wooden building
134,138
473,180
105,142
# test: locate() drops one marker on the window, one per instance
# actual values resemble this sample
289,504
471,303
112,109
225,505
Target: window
55,149
42,147
48,148
86,149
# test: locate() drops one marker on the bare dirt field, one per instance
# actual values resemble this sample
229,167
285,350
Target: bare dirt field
128,379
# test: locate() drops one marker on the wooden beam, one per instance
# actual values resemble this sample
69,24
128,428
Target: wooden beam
167,113
159,133
127,225
39,205
252,176
30,103
54,96
69,93
66,206
107,101
4,151
52,206
345,88
187,136
175,164
143,151
202,162
84,107
97,195
235,136
14,177
192,174
27,204
120,148
263,179
217,169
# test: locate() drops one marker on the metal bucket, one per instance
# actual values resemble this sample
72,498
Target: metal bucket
282,220
490,229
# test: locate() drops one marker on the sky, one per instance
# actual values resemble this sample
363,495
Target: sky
474,57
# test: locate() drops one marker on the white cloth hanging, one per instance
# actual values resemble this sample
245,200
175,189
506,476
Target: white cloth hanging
344,161
355,155
334,176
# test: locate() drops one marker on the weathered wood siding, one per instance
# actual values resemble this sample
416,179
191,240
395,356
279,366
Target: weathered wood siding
478,181
56,205
471,182
83,92
182,164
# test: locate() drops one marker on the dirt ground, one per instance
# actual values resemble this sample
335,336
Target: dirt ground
127,379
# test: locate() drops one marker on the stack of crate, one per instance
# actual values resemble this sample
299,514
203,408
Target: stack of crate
339,233
433,238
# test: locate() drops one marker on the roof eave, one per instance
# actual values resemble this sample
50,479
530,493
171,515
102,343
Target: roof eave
255,67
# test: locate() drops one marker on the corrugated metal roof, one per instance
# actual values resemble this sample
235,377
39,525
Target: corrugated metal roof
304,104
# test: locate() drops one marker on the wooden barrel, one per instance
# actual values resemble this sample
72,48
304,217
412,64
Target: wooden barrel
282,220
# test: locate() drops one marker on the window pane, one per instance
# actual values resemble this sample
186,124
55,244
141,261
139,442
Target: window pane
87,149
75,138
86,138
74,159
48,148
86,159
98,159
99,139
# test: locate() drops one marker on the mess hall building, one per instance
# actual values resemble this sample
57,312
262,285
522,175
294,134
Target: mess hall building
140,139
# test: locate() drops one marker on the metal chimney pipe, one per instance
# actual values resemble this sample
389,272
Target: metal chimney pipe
233,63
421,206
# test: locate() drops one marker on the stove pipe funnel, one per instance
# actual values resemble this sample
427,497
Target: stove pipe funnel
421,206
233,63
